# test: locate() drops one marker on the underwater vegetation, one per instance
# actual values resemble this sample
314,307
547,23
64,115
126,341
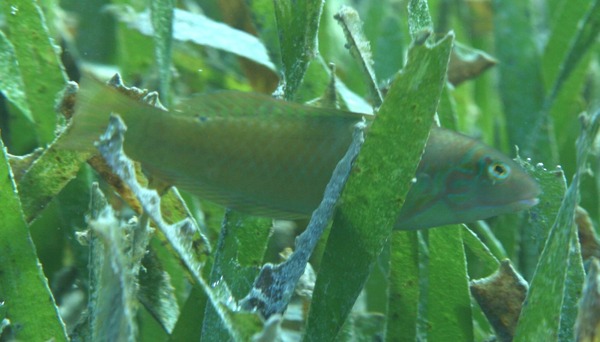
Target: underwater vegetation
90,251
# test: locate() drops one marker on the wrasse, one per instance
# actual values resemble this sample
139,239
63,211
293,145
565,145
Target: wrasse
273,158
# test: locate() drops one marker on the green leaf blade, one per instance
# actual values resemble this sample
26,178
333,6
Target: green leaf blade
162,21
297,23
449,304
24,290
239,254
541,316
523,95
374,193
403,298
39,63
11,84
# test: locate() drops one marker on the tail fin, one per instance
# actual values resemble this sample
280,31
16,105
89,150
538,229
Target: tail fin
94,103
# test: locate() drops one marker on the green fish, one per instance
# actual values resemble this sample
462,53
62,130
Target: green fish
267,157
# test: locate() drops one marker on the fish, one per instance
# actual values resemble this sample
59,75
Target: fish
267,157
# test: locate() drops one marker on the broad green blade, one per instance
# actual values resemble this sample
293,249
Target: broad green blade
24,291
449,313
373,195
542,315
11,84
523,95
237,259
403,298
297,24
39,63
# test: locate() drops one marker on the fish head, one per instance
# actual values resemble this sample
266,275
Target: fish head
461,180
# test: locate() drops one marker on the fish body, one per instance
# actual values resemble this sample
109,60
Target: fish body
273,158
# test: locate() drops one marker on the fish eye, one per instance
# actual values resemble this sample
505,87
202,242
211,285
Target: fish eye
498,171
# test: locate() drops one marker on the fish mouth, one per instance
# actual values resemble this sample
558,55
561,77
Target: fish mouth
525,203
530,202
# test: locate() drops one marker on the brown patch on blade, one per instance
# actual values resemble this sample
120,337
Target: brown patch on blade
467,63
501,297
